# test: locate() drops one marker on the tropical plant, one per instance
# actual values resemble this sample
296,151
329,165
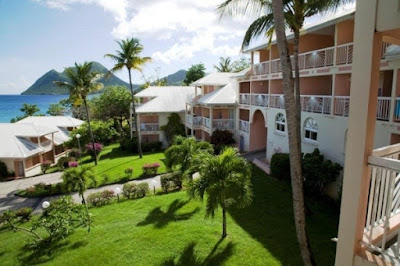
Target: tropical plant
78,179
46,166
275,16
225,65
29,109
194,73
182,152
103,131
225,179
221,139
129,56
56,109
174,127
81,82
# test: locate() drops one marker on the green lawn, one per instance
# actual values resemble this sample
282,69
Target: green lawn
113,161
170,230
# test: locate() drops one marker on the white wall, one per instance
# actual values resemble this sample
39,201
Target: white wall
36,170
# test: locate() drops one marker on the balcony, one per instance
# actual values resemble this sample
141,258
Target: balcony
244,126
342,107
189,120
259,100
261,68
149,127
316,104
244,98
223,124
383,206
206,122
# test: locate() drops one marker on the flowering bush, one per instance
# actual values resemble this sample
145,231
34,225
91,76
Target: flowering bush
150,168
46,165
129,171
75,153
132,190
73,164
97,146
100,198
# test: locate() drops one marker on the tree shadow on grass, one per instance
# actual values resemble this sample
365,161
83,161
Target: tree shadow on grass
45,252
160,219
189,256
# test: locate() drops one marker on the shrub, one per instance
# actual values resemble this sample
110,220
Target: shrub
46,165
128,144
174,127
73,164
75,153
100,198
129,171
221,139
42,189
280,166
132,190
97,146
150,168
4,171
24,214
171,181
151,146
62,163
318,173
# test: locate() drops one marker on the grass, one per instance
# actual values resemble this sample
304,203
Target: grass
171,230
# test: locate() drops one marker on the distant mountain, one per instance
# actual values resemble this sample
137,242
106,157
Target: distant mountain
45,84
176,78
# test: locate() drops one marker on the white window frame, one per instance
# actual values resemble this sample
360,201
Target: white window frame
280,123
311,130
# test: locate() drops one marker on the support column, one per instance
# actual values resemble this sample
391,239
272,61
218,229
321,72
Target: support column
393,96
334,75
362,118
211,121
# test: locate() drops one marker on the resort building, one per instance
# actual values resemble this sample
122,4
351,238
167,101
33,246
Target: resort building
212,106
33,140
153,107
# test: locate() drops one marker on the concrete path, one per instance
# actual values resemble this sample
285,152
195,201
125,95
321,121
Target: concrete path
9,201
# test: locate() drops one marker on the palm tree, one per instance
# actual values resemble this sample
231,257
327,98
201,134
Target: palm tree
78,179
183,151
292,14
225,179
225,65
129,56
29,109
81,82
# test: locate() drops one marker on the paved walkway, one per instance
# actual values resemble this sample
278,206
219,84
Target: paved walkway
9,201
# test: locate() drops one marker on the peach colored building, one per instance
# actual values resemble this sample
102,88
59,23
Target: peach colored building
213,106
32,140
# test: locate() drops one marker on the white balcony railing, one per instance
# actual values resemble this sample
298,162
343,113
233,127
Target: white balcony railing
341,105
189,119
223,124
244,98
259,100
316,59
197,121
207,122
383,206
383,108
277,101
316,104
149,127
276,66
244,126
344,54
261,68
396,115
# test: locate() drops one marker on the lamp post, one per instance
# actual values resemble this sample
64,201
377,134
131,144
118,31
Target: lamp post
154,183
45,204
78,136
117,191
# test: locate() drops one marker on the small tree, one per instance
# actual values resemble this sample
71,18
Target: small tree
46,165
225,178
78,179
173,128
221,139
194,73
56,109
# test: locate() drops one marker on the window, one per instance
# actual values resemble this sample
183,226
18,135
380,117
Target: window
280,123
311,129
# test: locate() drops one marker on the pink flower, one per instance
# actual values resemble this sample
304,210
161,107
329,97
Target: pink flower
73,164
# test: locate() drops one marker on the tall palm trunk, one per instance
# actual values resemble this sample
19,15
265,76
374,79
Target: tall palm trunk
297,92
293,124
135,116
90,131
223,223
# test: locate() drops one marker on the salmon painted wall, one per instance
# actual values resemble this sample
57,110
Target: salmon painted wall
221,113
197,111
259,86
398,83
258,132
342,84
149,119
345,32
310,42
197,134
245,87
276,86
264,55
150,137
207,89
387,82
320,85
205,112
244,114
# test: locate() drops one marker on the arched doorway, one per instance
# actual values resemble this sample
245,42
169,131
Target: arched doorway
258,132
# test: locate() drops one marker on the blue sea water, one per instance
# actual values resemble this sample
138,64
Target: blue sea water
10,104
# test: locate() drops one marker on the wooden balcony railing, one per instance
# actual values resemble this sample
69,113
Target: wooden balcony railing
383,206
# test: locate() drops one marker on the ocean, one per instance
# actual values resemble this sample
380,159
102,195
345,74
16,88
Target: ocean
10,104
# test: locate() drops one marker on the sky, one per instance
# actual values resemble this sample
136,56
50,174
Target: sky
39,35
